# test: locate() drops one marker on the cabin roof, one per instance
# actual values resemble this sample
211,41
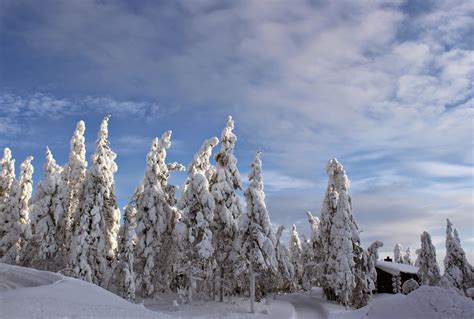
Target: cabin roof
396,268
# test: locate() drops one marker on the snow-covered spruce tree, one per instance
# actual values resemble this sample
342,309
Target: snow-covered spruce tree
373,256
428,267
126,247
7,175
285,267
228,208
294,246
417,261
340,257
256,238
407,257
398,253
197,213
42,250
16,216
157,216
307,263
94,246
458,273
7,178
72,180
314,223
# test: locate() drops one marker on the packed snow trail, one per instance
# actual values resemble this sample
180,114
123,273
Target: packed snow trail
306,305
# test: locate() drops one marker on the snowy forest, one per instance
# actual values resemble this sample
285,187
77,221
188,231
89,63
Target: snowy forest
199,240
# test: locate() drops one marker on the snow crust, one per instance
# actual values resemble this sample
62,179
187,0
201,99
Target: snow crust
395,268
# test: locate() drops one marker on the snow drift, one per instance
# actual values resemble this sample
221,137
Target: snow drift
30,293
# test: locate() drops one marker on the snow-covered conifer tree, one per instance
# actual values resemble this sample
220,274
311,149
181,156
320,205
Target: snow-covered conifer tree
428,267
314,223
398,254
228,208
127,241
407,257
373,256
294,246
285,267
7,175
197,213
307,263
256,237
95,237
72,180
7,178
458,273
42,249
16,216
340,257
157,216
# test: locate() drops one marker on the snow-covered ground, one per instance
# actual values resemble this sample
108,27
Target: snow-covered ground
30,293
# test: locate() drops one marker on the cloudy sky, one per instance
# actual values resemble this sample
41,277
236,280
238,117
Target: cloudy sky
384,86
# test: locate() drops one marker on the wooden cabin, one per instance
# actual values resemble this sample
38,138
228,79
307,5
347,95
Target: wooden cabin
391,276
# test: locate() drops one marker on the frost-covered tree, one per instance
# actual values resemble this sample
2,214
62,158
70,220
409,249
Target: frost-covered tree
156,219
94,246
256,238
285,267
398,253
294,246
341,260
373,255
127,242
417,261
7,175
314,223
407,259
72,180
197,213
16,221
428,267
228,208
42,249
7,178
458,273
307,263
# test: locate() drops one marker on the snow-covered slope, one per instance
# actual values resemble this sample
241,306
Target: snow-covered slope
30,293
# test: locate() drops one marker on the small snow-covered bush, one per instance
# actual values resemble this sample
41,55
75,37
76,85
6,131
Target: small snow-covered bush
409,286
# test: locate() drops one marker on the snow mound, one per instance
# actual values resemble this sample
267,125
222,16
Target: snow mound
426,302
30,293
13,277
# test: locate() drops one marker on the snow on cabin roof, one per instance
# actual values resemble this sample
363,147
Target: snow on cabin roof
396,268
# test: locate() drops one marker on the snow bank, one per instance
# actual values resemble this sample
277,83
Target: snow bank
30,293
395,268
425,302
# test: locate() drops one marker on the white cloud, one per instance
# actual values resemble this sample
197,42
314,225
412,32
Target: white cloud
439,169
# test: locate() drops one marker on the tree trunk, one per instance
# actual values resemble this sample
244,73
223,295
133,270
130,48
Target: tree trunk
252,289
221,286
190,285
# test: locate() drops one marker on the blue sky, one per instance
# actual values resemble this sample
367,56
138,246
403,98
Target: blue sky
384,86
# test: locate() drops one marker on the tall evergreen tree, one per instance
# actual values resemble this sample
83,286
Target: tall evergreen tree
228,208
428,267
373,256
72,181
294,246
43,247
7,179
285,267
16,220
256,238
407,259
458,273
197,209
95,237
398,253
127,242
7,175
156,220
342,261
